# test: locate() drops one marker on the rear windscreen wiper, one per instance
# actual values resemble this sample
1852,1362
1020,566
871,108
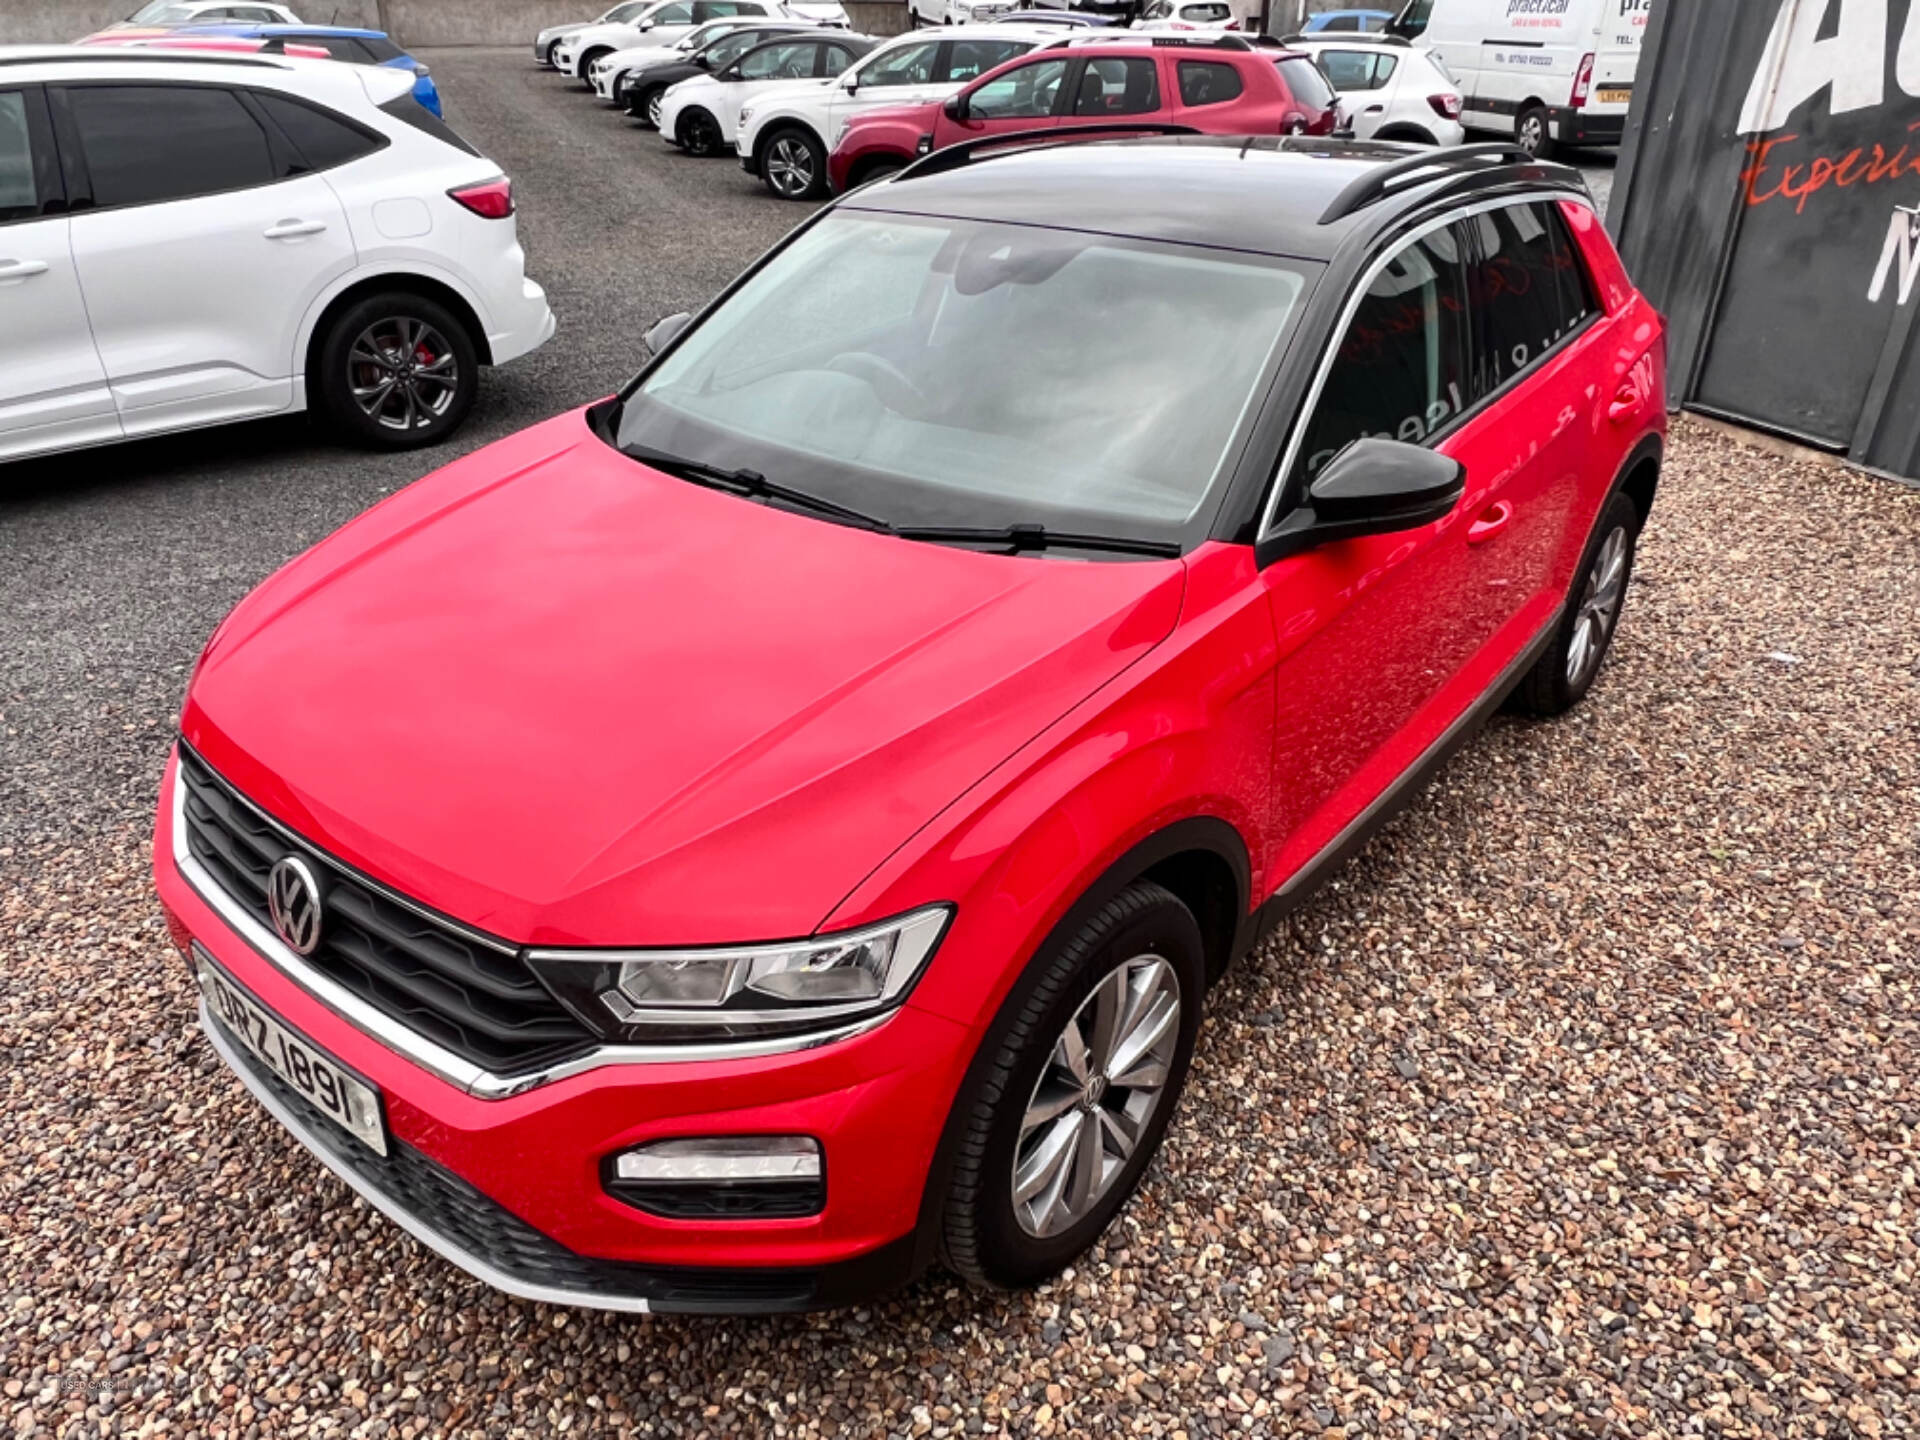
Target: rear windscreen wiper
1017,538
753,484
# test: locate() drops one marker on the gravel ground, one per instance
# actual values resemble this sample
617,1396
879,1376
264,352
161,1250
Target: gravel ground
1582,1104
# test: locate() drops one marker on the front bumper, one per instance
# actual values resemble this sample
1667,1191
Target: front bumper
511,1188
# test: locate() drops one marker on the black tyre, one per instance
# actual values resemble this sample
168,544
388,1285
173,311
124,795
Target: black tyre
793,163
586,65
1080,1078
644,105
1533,132
395,371
1566,671
876,169
699,132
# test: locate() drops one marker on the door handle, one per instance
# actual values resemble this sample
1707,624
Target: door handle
1376,109
1495,518
21,269
294,229
1626,403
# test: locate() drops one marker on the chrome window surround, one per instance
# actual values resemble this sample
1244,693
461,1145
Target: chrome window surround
409,1044
1270,515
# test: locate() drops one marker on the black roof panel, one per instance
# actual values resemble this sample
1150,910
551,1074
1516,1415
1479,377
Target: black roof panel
1265,194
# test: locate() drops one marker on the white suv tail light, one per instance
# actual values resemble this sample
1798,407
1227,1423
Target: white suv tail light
490,199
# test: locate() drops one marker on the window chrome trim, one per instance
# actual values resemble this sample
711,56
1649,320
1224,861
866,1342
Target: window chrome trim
1277,484
416,1048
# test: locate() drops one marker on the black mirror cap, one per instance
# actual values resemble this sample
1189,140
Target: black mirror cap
1373,487
665,332
956,107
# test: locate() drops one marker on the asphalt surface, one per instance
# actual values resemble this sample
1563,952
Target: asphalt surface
1580,1105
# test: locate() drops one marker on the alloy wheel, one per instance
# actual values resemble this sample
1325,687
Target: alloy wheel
1533,133
790,167
402,373
1599,607
653,109
1103,1082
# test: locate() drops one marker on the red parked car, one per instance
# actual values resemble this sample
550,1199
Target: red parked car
730,846
1216,84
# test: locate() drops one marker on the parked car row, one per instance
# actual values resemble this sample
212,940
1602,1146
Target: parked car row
810,110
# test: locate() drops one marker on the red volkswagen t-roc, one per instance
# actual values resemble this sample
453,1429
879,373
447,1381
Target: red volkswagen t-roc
733,845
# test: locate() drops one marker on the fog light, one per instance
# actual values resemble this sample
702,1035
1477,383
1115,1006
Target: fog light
723,1177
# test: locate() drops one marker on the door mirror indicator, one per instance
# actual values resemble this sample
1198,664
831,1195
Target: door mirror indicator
1373,487
664,332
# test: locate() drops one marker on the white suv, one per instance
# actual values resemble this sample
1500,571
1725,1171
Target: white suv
785,136
187,239
665,21
1388,89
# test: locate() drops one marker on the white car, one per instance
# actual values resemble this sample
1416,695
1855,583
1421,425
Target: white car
544,42
702,115
1188,15
613,73
785,136
1388,89
660,23
196,272
209,12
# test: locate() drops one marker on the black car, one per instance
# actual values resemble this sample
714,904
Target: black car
737,39
723,58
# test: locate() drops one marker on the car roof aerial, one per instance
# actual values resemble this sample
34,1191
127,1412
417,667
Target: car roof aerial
1292,196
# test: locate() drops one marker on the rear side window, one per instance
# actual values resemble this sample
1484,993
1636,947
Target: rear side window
1342,22
379,50
413,113
1109,87
908,65
784,60
1529,290
1207,82
322,138
1308,86
29,176
1402,371
1357,69
969,58
150,143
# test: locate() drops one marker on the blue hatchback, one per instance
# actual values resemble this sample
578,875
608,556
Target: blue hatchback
1367,22
342,42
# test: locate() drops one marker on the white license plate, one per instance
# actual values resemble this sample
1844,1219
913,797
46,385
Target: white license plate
339,1094
1615,95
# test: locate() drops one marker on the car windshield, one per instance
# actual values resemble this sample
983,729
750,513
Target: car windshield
160,13
959,372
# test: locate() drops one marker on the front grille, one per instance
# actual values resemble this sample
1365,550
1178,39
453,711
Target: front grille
473,996
470,1221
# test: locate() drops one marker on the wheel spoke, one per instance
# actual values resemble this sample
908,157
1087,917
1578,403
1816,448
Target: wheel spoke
1109,1001
1142,1042
1070,1052
1048,1103
1047,1158
1088,1170
1118,1132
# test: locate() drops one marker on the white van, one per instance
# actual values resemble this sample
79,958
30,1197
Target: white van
1549,72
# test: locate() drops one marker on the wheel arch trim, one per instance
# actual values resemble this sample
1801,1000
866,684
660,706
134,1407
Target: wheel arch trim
406,275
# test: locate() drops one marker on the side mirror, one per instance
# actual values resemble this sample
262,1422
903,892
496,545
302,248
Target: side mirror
702,61
1373,487
956,107
850,84
665,332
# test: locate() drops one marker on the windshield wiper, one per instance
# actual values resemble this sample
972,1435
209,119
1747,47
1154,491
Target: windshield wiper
1017,538
753,484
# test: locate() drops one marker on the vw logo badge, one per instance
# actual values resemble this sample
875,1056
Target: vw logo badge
293,904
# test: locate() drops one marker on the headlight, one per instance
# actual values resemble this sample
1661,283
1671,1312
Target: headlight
747,990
